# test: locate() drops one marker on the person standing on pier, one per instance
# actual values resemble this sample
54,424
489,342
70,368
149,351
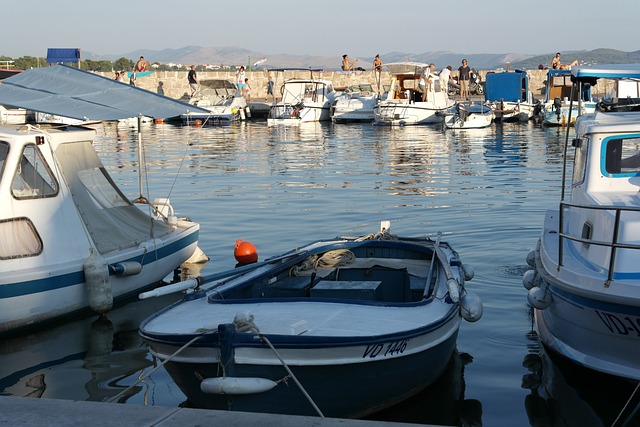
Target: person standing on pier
464,74
240,79
193,81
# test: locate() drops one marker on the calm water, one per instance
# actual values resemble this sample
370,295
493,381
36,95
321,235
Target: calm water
485,190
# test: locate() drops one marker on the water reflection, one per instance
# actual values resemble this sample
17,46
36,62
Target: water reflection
86,359
565,394
443,403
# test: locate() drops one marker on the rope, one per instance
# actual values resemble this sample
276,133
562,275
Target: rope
624,408
335,258
382,235
113,398
244,324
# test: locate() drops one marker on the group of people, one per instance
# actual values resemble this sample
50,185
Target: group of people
425,83
426,80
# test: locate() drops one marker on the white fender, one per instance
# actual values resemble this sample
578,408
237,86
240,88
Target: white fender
471,307
539,298
529,279
235,385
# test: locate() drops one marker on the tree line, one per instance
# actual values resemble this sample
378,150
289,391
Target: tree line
121,64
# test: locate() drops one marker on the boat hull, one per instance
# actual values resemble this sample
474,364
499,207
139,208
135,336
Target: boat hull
291,116
560,117
30,297
575,320
408,114
363,382
582,318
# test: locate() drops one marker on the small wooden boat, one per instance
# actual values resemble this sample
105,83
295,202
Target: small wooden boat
339,328
585,281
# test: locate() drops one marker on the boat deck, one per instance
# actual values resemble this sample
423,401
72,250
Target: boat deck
336,305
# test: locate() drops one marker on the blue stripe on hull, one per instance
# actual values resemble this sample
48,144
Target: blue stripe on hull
584,302
77,277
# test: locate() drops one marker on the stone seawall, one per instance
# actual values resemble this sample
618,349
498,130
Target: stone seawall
174,83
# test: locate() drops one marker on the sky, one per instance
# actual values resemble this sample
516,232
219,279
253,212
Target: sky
321,28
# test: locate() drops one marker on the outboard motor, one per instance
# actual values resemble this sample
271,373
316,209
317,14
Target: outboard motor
557,105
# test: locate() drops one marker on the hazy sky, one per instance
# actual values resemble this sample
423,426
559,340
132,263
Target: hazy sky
321,27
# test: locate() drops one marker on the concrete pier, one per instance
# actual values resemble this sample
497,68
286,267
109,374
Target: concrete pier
26,412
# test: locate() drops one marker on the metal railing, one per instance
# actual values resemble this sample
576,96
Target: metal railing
613,244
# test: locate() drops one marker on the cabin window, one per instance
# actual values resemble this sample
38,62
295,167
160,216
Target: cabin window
33,179
580,162
18,239
4,151
622,156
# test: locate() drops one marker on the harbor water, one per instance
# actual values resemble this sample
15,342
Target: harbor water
486,190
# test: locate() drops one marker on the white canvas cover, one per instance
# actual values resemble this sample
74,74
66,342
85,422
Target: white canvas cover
67,91
111,219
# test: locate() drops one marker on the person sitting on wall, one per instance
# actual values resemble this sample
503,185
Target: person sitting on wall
557,65
142,65
346,64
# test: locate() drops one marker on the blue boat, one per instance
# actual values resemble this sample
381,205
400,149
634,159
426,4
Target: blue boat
339,328
509,96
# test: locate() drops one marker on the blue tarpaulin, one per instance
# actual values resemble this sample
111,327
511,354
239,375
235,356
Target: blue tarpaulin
70,92
59,56
510,86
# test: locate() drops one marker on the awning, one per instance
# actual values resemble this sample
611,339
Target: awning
70,92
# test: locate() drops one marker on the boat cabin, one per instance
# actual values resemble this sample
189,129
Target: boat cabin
405,83
296,91
559,85
216,92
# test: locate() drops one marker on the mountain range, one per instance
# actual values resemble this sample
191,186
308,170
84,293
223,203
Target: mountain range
238,56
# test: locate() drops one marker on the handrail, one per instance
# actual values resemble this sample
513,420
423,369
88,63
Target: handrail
613,244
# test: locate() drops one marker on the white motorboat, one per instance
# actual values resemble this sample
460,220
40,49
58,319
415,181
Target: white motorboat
468,116
509,96
585,285
338,328
70,240
356,104
561,102
403,105
222,98
303,100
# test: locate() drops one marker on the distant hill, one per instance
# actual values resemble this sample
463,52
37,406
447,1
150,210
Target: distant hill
596,56
239,56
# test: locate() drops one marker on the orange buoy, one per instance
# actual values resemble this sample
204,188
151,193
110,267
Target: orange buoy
198,123
159,121
245,253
